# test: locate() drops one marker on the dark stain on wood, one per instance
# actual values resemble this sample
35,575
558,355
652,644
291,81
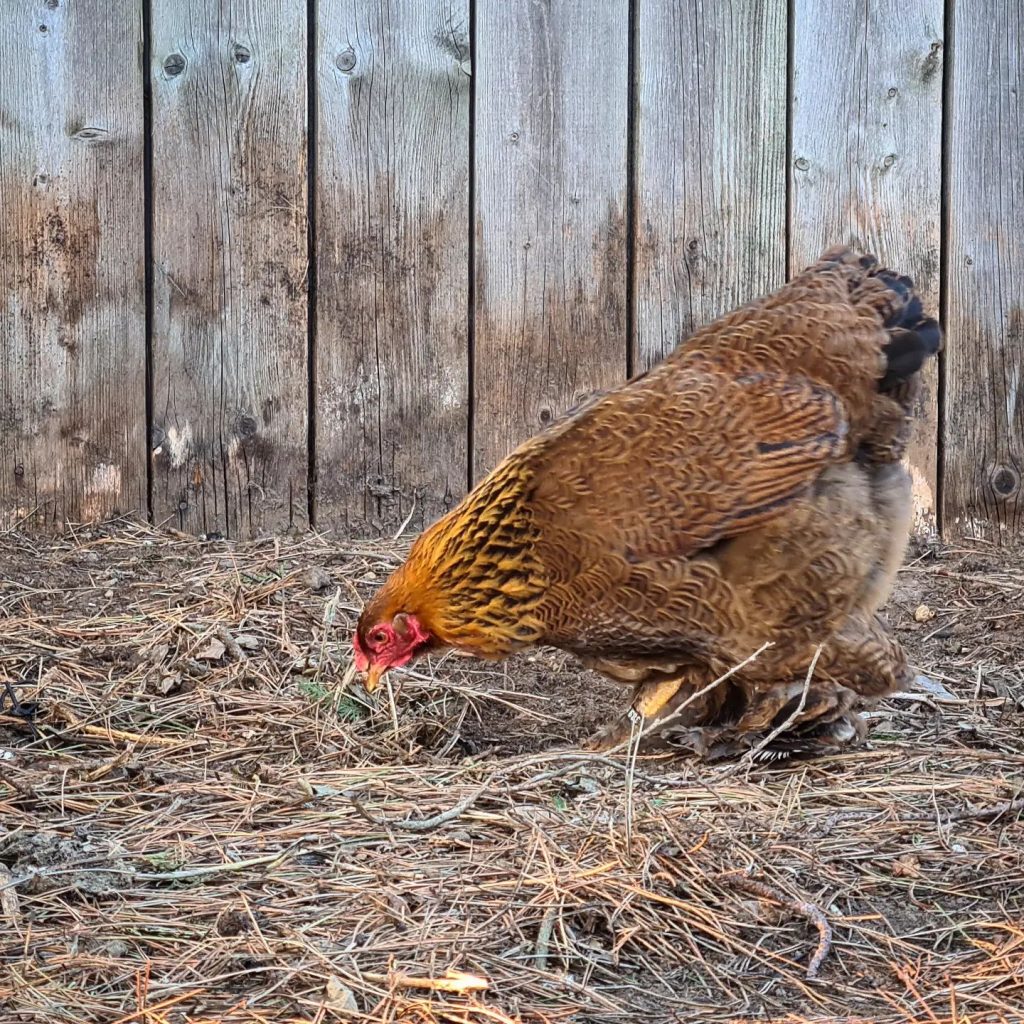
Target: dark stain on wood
551,246
932,63
392,272
72,399
230,248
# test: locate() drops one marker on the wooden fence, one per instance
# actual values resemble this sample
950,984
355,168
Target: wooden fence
262,260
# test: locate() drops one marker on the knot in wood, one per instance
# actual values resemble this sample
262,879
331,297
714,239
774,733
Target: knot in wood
1005,481
174,65
346,60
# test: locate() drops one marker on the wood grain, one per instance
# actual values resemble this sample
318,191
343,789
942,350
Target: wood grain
710,179
230,254
550,218
867,159
983,423
72,293
393,88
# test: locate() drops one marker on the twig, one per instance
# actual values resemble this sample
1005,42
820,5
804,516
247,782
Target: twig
70,724
271,860
426,824
406,521
813,914
635,730
544,932
148,1011
453,981
230,643
976,814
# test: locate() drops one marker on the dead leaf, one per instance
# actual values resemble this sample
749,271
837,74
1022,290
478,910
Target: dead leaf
213,651
907,866
9,903
936,689
168,684
340,996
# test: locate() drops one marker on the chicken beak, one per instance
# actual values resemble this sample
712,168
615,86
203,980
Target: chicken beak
371,677
373,674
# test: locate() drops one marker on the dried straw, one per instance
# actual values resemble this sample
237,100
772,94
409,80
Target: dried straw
206,829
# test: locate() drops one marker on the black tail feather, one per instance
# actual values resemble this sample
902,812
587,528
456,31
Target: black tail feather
907,351
913,337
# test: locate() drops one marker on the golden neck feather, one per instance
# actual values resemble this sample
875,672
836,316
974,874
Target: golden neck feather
473,578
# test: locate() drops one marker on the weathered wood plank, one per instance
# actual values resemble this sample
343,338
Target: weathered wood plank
710,179
983,422
392,225
550,219
72,292
867,158
230,254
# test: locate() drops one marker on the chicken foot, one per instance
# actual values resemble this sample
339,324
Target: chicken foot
860,662
649,700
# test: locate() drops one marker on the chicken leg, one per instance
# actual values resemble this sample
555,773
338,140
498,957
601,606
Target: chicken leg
649,699
859,661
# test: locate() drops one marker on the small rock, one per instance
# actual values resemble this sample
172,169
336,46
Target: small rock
319,579
922,613
108,594
247,641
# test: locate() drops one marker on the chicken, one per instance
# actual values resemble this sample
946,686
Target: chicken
748,490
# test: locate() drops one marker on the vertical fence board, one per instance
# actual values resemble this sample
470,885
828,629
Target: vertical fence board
867,159
710,179
983,423
550,220
392,225
230,254
72,296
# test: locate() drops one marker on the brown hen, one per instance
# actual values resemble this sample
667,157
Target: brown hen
747,490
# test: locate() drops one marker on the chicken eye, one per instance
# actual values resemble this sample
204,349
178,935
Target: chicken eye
378,637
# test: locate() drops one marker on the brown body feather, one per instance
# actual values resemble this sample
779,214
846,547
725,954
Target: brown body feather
747,489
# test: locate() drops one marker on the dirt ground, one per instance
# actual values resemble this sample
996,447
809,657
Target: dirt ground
201,827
